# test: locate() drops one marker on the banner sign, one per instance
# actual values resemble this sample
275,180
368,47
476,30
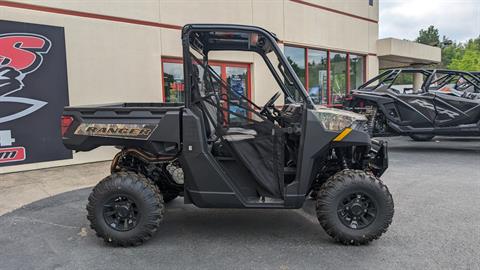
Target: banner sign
33,92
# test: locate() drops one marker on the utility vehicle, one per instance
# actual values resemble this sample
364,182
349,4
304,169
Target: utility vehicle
420,103
272,159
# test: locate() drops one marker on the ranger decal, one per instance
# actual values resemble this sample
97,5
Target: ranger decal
125,131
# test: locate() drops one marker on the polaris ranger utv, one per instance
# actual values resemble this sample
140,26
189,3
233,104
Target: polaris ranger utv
269,157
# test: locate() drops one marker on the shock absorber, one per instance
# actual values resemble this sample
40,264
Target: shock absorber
341,156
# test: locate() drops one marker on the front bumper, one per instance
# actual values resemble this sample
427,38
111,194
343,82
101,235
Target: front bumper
378,162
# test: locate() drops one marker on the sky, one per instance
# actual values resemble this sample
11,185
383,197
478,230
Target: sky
459,20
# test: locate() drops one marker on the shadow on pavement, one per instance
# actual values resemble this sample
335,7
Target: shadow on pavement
467,145
426,149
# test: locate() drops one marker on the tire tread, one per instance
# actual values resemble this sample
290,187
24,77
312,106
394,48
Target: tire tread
151,194
324,198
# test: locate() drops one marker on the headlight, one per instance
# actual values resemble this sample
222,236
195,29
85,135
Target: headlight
338,120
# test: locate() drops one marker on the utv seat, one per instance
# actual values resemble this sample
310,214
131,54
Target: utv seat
238,134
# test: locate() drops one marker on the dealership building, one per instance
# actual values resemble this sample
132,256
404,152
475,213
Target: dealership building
55,53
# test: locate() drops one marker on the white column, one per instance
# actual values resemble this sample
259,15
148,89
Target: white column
417,81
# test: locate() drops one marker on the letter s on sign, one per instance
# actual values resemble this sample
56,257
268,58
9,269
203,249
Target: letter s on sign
23,51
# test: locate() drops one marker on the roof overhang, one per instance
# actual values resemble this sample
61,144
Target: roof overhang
394,52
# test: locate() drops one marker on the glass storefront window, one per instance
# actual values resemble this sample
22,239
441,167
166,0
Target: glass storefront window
357,74
318,69
338,77
173,82
317,76
237,78
296,58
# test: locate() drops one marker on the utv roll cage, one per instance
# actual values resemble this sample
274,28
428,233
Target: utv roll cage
213,98
436,78
204,38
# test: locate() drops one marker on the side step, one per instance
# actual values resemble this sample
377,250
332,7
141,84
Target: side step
265,201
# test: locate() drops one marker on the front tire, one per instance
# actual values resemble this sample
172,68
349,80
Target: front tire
354,207
125,209
421,137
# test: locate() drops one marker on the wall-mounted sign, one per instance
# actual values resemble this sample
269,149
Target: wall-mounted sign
33,92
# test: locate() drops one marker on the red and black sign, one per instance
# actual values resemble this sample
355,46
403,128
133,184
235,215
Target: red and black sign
12,154
33,92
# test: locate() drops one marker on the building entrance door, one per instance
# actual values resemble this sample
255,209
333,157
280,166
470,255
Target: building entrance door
237,75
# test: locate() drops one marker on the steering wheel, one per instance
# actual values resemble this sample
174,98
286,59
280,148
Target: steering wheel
270,105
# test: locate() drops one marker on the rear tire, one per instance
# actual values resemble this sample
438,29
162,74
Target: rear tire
421,137
354,207
125,209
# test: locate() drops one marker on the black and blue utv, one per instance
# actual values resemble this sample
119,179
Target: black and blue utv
420,103
274,158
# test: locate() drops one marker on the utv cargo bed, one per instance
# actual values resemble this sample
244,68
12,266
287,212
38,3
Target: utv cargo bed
156,124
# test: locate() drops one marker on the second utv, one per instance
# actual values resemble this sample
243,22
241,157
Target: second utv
419,103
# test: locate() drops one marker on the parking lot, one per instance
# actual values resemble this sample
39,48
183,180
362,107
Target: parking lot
435,185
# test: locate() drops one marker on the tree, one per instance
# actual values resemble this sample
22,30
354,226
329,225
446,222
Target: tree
429,36
450,51
459,56
473,44
467,57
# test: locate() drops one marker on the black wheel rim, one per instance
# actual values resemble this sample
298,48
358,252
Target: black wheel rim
121,213
357,210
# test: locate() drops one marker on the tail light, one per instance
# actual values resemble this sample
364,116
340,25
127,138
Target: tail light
66,123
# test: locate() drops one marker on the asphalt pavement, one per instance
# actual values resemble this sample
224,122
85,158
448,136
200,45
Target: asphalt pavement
435,186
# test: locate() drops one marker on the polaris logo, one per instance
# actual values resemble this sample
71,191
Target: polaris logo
438,109
12,154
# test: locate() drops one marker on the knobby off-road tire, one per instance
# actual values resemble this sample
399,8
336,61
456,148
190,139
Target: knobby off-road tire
138,204
341,201
421,137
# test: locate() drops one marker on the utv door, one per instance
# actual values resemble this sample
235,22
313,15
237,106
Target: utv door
417,110
454,111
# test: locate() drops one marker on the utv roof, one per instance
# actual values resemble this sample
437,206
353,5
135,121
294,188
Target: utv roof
226,28
204,38
217,37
